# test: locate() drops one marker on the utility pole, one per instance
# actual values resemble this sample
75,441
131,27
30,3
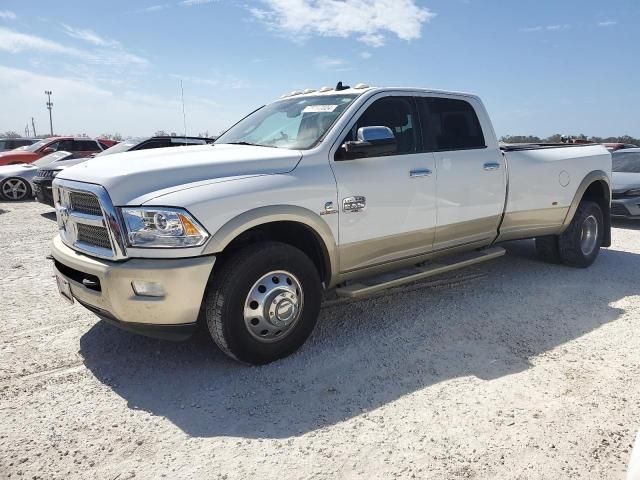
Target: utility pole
33,124
49,107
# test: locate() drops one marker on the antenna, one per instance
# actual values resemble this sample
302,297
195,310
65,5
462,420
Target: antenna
184,115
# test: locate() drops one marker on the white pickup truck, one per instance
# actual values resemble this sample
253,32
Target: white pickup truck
357,189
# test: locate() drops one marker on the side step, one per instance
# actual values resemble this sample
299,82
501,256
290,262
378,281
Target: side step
381,282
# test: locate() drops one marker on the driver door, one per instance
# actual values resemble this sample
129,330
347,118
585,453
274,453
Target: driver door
396,192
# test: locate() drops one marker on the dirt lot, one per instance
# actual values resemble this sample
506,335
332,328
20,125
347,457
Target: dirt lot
511,370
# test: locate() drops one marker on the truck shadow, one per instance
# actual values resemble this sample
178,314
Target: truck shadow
626,224
366,354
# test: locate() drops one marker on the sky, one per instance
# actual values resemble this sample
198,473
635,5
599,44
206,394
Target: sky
540,66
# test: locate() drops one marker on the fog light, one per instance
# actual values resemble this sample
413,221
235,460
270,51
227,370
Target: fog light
147,289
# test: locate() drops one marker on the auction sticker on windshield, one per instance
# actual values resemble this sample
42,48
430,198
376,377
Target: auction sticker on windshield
319,108
64,287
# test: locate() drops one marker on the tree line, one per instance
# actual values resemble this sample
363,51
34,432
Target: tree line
557,138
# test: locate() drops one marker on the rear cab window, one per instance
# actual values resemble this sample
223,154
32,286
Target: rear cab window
449,124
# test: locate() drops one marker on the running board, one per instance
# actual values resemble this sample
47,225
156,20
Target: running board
418,272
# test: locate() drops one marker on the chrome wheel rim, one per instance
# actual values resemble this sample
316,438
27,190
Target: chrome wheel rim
273,306
14,189
589,235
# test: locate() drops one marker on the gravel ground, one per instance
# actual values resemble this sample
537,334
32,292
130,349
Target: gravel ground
514,369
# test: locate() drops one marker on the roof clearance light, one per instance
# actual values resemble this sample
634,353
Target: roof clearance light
361,86
309,90
325,89
295,92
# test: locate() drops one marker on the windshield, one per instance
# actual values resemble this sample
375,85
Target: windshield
52,157
294,123
626,162
36,146
123,146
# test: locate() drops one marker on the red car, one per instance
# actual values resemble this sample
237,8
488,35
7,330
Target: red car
81,147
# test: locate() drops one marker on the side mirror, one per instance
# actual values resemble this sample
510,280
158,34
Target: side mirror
47,151
371,142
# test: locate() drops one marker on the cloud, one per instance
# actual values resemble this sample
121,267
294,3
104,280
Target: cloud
89,36
7,15
371,21
16,42
215,80
607,23
330,63
191,3
548,28
154,8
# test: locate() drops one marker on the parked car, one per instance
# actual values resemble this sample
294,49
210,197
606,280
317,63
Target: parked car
13,143
144,143
626,183
612,147
45,175
328,189
82,147
17,182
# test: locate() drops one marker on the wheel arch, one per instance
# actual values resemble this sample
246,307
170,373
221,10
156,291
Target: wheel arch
595,186
296,226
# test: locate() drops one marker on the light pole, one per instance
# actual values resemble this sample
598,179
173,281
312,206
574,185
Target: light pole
49,107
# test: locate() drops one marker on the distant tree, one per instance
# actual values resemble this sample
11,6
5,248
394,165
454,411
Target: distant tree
160,133
10,134
112,136
520,139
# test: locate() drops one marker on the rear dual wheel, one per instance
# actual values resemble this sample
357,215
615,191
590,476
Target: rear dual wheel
263,302
579,245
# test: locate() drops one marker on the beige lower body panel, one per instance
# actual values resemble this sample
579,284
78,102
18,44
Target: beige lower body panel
532,223
183,281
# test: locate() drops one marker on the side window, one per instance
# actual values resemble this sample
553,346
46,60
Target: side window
85,146
158,143
450,124
61,145
397,113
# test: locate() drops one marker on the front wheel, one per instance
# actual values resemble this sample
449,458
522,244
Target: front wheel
263,302
15,189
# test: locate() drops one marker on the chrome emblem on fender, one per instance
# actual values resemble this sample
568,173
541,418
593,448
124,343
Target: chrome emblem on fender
329,209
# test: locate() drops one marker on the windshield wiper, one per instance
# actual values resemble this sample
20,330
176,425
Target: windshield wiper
248,143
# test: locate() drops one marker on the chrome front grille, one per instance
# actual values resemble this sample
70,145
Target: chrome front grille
87,220
45,173
92,235
85,203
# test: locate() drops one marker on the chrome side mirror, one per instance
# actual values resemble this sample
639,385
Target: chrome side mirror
371,142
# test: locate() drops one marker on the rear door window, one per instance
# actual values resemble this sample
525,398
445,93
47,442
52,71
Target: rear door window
626,162
450,124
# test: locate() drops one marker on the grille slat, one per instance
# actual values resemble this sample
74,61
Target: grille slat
85,203
92,235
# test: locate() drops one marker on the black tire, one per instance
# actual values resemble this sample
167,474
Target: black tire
569,242
547,249
28,193
228,292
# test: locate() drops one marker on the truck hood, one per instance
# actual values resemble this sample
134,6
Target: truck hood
133,177
18,154
623,181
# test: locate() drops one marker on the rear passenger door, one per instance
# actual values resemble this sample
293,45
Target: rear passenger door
471,182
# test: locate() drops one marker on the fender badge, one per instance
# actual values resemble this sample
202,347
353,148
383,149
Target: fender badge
329,209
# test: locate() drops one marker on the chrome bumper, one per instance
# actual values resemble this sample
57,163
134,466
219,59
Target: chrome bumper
105,287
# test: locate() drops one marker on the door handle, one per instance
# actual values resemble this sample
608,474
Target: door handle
420,173
491,166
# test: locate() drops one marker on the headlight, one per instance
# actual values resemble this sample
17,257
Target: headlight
162,228
632,193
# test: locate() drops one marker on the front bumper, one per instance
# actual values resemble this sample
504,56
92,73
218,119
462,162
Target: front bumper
104,287
625,207
44,191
